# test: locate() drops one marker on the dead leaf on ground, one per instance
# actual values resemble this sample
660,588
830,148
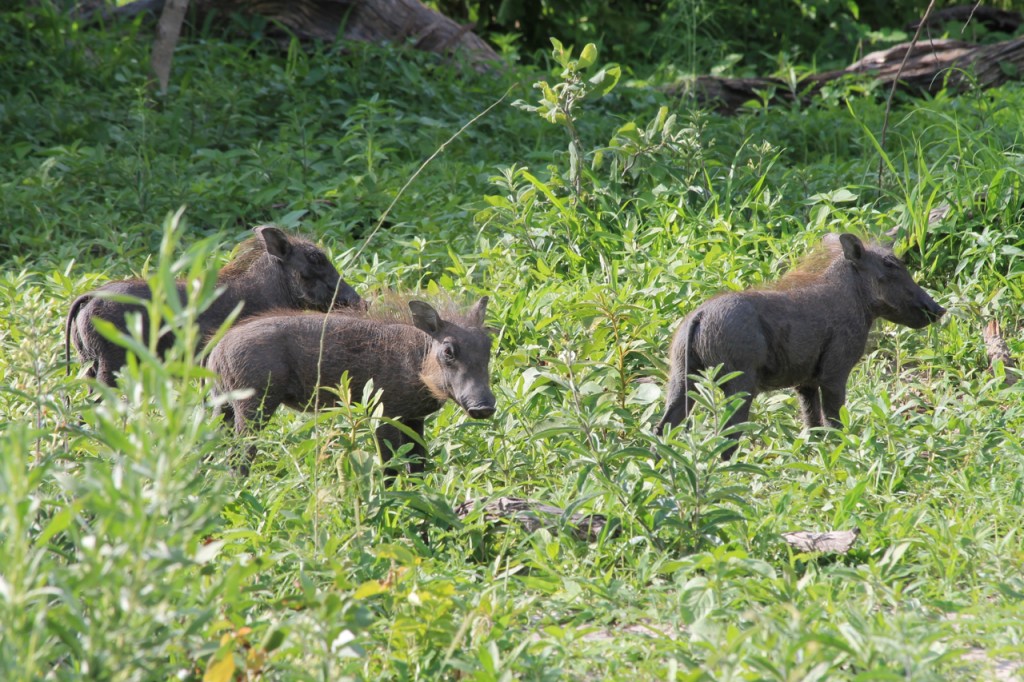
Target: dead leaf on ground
532,515
833,542
997,350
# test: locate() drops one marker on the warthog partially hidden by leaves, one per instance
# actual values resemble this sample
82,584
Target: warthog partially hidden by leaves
417,363
806,331
272,270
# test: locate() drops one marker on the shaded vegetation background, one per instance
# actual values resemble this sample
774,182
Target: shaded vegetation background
697,36
132,551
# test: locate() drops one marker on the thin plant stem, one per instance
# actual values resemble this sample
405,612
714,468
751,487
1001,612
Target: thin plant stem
892,92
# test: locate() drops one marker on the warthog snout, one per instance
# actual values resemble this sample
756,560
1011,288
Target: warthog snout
928,312
934,311
348,298
481,411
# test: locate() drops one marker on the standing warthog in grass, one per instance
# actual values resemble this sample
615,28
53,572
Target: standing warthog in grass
271,270
416,362
807,330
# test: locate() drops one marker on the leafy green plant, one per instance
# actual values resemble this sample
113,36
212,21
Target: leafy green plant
134,509
558,102
635,149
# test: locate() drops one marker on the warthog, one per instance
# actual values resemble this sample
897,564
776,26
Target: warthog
271,270
417,363
806,331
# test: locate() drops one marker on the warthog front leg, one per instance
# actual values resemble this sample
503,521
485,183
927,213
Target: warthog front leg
832,400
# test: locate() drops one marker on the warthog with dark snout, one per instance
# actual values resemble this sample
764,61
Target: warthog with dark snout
272,270
417,363
807,331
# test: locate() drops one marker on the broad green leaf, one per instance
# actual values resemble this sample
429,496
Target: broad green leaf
662,116
524,105
60,521
645,394
561,55
672,566
222,670
293,218
587,57
558,203
606,79
369,589
626,128
549,94
274,639
397,552
498,201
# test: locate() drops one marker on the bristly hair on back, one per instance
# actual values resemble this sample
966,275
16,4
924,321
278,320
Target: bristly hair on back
248,252
809,269
393,306
812,266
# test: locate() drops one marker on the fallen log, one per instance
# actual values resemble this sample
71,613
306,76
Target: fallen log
931,65
377,21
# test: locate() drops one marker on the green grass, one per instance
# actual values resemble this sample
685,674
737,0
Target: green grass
132,551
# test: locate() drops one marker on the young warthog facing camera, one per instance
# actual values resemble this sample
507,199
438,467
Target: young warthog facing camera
806,331
272,270
417,363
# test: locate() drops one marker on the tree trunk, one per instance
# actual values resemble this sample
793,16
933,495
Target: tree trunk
167,31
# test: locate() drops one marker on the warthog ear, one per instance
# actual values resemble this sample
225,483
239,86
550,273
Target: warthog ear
274,240
477,313
853,249
425,317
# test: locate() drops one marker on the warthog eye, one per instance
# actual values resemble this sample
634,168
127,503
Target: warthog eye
316,259
448,352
